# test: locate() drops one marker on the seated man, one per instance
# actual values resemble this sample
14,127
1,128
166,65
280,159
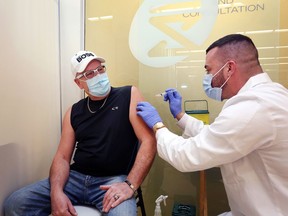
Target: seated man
108,167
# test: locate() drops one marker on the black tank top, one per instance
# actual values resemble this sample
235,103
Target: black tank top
106,144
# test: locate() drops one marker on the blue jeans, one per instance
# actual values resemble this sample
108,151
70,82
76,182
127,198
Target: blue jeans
81,189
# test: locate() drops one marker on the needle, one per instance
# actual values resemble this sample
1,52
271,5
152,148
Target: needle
161,94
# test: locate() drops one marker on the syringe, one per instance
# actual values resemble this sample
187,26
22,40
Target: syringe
161,94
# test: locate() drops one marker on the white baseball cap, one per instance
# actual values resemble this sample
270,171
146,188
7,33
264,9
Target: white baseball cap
81,59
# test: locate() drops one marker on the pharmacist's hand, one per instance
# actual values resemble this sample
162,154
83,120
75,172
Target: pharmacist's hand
148,113
175,101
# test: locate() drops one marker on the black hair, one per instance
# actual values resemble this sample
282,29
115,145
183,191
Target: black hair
230,39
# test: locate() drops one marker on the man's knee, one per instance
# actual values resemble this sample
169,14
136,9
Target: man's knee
23,198
12,203
127,207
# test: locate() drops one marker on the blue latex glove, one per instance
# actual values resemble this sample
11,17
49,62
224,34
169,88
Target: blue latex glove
148,113
175,101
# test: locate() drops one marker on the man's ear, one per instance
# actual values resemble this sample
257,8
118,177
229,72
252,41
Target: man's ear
231,67
77,81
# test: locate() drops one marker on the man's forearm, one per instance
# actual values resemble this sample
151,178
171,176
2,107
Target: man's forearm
59,173
143,163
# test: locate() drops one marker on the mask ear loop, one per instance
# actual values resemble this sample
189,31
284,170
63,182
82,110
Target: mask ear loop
227,78
220,69
225,82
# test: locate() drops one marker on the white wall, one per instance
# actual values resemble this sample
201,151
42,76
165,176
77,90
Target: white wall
71,41
37,41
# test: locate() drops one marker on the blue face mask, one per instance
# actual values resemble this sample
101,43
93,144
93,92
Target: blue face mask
99,86
213,92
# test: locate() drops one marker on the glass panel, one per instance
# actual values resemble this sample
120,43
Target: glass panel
159,44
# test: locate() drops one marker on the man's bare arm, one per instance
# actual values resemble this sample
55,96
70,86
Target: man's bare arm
147,141
59,171
143,161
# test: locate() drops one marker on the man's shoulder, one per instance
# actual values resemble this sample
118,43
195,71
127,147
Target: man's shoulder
81,101
121,90
79,104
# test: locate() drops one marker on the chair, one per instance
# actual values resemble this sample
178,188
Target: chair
140,201
87,211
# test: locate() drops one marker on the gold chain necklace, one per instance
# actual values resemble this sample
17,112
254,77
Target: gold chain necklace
88,106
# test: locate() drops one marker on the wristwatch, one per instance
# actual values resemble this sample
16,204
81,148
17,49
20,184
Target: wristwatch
158,126
130,185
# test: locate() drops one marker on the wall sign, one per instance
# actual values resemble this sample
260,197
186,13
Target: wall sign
161,28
